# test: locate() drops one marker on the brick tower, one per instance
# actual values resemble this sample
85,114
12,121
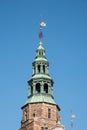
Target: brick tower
40,112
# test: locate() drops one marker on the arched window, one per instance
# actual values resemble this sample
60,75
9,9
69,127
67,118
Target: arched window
38,68
45,88
38,88
43,68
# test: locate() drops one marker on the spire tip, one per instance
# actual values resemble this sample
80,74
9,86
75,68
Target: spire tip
42,24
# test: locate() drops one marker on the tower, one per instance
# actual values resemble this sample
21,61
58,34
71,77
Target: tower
40,112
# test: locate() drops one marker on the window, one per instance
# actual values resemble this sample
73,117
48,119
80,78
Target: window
45,88
43,68
38,68
44,128
39,53
37,88
33,114
49,113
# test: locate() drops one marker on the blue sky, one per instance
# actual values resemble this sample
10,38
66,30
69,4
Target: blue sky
65,42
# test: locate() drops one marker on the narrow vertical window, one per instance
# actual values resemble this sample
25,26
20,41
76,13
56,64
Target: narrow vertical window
38,68
33,114
43,68
49,113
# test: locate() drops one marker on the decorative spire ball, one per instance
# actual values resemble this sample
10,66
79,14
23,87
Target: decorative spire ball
42,24
40,35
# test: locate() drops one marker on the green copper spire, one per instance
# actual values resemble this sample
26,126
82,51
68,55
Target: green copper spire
40,86
40,52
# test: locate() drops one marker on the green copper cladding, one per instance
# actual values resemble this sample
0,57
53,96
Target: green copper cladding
40,98
40,85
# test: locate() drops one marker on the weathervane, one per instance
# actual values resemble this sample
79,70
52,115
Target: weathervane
42,24
72,117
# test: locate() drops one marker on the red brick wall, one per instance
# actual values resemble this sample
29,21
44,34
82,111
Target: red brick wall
38,114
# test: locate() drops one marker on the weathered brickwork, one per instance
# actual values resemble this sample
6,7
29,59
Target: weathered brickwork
36,115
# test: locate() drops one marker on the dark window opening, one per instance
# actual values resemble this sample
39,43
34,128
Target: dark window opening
49,113
38,68
45,88
39,53
44,68
33,114
38,88
44,128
